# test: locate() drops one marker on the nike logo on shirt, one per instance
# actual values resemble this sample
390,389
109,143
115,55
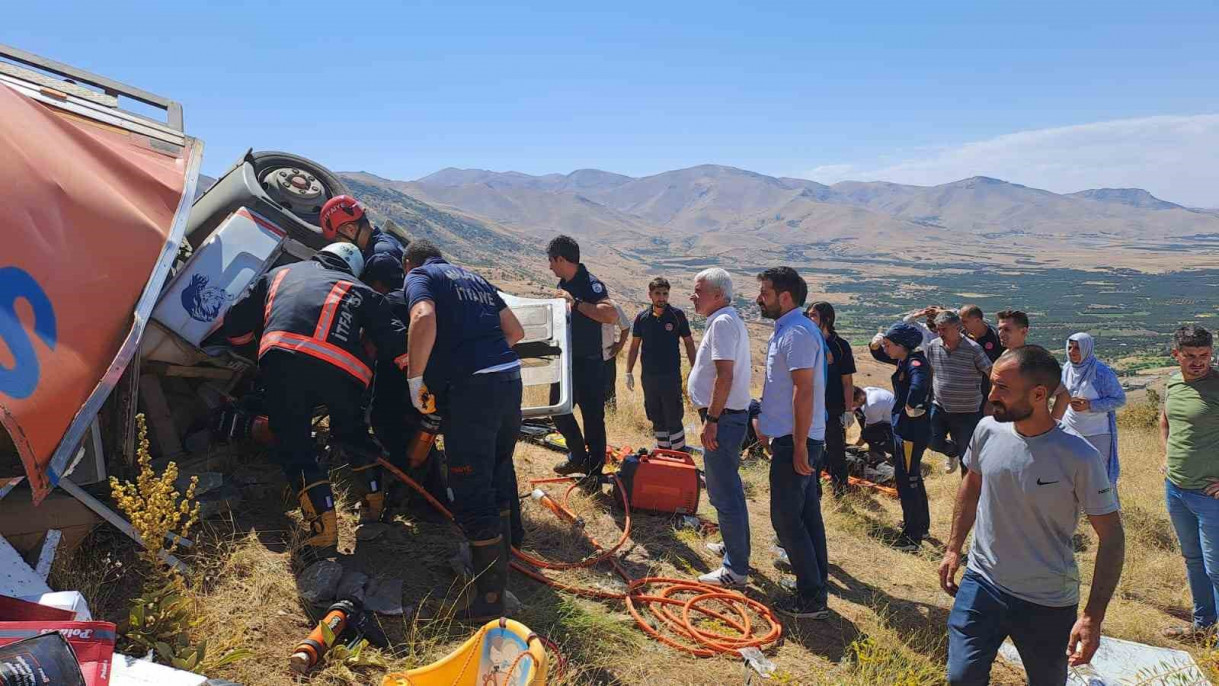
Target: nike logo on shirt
1044,483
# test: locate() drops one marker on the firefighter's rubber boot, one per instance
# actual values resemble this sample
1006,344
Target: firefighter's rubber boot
317,506
485,600
372,501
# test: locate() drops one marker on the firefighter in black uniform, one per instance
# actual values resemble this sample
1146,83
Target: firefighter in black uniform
589,307
461,357
911,425
310,318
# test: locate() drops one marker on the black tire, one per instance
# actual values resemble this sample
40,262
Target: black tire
269,160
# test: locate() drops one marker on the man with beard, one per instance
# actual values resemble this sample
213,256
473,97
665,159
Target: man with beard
1027,480
793,416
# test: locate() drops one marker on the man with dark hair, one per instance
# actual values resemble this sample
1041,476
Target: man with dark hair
980,331
960,367
460,342
589,307
1028,479
874,412
1189,432
793,416
839,394
1013,333
657,331
1013,328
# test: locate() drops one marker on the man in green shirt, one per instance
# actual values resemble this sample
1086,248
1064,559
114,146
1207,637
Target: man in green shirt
1189,431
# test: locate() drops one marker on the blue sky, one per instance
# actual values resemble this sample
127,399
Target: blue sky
903,90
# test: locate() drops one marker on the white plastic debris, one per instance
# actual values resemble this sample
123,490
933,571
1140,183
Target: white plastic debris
757,661
1119,662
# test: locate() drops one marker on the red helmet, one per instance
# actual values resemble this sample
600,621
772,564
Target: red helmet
338,211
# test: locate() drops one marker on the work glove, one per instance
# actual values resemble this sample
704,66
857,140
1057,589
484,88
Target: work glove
630,381
848,419
421,397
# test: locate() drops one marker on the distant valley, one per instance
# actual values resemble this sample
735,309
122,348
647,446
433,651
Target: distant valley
1118,262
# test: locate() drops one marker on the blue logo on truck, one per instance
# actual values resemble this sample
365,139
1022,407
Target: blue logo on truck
21,380
201,301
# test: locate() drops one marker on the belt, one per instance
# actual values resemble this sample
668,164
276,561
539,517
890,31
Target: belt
702,412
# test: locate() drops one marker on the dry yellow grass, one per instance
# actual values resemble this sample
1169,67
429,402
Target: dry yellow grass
888,622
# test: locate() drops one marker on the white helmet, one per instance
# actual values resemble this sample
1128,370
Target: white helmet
349,254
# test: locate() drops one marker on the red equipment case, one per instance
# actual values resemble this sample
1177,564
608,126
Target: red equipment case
661,481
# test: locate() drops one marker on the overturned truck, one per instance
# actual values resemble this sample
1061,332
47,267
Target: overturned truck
120,262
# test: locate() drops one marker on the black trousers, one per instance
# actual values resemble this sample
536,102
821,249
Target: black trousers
611,381
836,450
588,389
480,433
295,385
907,462
879,437
662,402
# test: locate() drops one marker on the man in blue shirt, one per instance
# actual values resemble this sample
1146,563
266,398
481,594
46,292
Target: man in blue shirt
793,416
657,330
461,363
588,307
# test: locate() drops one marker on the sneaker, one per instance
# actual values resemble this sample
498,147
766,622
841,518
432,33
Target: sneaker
952,466
906,544
571,466
803,609
725,578
717,548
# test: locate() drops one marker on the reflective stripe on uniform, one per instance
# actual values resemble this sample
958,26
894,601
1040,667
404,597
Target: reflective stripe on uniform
401,361
322,350
266,313
908,449
326,319
242,339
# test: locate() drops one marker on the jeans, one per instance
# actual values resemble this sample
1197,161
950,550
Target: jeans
479,440
588,392
959,425
795,514
662,402
983,615
908,473
836,450
1195,517
726,492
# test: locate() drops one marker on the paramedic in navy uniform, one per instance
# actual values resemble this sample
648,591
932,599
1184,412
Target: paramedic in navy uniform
589,306
462,363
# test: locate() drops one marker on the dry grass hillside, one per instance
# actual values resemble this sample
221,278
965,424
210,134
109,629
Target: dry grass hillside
887,627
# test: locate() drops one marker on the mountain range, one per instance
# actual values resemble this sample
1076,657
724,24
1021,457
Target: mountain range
713,214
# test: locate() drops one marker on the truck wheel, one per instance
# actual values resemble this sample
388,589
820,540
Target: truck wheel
299,184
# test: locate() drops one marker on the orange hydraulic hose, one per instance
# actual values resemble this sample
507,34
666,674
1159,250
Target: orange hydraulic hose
692,639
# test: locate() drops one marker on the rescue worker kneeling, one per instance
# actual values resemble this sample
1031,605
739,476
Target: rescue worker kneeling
462,362
311,317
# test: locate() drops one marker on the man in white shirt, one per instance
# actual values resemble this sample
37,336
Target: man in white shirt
874,411
719,388
613,339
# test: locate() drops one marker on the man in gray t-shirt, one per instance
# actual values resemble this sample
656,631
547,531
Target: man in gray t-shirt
1027,481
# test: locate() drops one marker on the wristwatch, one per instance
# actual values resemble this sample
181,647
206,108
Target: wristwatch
713,420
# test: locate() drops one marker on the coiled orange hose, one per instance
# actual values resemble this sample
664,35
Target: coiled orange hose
679,630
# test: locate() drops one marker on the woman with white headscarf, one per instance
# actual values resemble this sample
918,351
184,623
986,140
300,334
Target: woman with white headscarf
1095,396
